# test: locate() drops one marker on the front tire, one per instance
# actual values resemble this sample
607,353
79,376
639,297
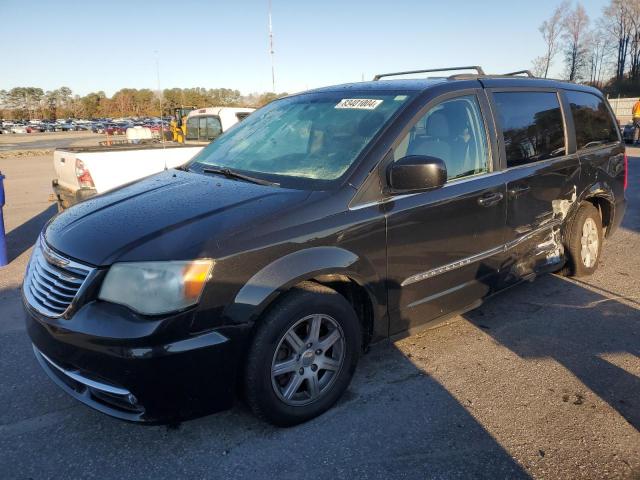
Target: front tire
584,242
303,355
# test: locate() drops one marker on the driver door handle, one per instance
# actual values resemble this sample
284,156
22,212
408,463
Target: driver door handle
490,199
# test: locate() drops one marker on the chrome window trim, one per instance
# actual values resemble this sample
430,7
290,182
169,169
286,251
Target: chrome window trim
470,178
544,161
590,150
418,277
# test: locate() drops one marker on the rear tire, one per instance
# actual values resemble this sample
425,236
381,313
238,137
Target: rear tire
583,242
303,355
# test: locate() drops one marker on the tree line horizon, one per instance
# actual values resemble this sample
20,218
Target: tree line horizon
28,103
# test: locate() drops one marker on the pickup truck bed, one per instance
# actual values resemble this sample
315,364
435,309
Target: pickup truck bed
82,172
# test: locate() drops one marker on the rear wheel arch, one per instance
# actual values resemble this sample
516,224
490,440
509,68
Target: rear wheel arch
601,196
606,208
574,236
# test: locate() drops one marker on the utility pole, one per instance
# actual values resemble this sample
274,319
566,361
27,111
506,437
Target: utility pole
273,74
160,97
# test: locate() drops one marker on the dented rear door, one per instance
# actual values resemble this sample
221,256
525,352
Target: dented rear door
541,172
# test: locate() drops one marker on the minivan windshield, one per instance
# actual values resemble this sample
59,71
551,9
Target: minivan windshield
304,141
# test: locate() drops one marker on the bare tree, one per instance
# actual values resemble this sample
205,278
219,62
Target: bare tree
618,20
633,7
575,30
598,54
551,29
538,66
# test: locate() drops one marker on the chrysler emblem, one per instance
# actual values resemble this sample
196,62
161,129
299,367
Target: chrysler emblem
53,258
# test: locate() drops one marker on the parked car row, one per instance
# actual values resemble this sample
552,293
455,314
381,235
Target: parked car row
120,128
42,126
102,125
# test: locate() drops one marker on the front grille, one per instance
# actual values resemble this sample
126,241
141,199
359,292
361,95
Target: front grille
52,282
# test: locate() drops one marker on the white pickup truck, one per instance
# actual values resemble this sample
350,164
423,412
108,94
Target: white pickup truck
82,172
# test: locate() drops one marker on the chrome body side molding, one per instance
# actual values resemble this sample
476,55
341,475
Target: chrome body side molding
418,277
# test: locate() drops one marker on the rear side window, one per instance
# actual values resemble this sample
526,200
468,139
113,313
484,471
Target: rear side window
532,126
594,124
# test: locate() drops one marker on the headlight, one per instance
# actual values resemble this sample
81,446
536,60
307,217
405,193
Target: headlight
152,288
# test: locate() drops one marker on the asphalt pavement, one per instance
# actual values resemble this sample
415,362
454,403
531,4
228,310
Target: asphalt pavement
542,381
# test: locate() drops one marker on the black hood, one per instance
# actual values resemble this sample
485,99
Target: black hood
176,215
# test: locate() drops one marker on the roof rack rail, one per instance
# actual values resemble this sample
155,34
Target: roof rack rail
394,74
519,72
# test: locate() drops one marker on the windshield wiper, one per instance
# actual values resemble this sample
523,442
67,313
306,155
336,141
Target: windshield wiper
227,172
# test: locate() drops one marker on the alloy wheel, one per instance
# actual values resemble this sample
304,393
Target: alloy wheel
589,243
308,359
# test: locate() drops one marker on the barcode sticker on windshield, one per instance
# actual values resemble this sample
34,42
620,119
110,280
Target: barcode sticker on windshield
359,103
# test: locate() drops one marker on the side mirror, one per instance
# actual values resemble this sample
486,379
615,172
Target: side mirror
415,173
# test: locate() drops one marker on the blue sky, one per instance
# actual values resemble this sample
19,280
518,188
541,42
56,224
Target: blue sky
107,45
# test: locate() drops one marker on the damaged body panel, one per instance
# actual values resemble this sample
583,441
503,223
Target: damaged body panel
538,200
452,252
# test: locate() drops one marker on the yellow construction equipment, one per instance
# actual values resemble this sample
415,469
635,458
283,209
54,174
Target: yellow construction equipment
179,123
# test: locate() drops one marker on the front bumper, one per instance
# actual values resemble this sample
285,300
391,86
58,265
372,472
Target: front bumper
102,396
67,197
142,371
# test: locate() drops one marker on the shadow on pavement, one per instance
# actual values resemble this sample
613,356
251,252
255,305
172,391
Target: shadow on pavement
577,327
22,238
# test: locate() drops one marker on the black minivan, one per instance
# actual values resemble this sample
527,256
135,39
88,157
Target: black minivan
324,222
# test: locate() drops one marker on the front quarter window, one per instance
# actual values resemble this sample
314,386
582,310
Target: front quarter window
305,141
454,132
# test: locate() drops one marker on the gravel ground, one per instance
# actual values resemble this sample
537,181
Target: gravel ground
542,381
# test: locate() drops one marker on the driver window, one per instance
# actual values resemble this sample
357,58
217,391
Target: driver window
454,132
